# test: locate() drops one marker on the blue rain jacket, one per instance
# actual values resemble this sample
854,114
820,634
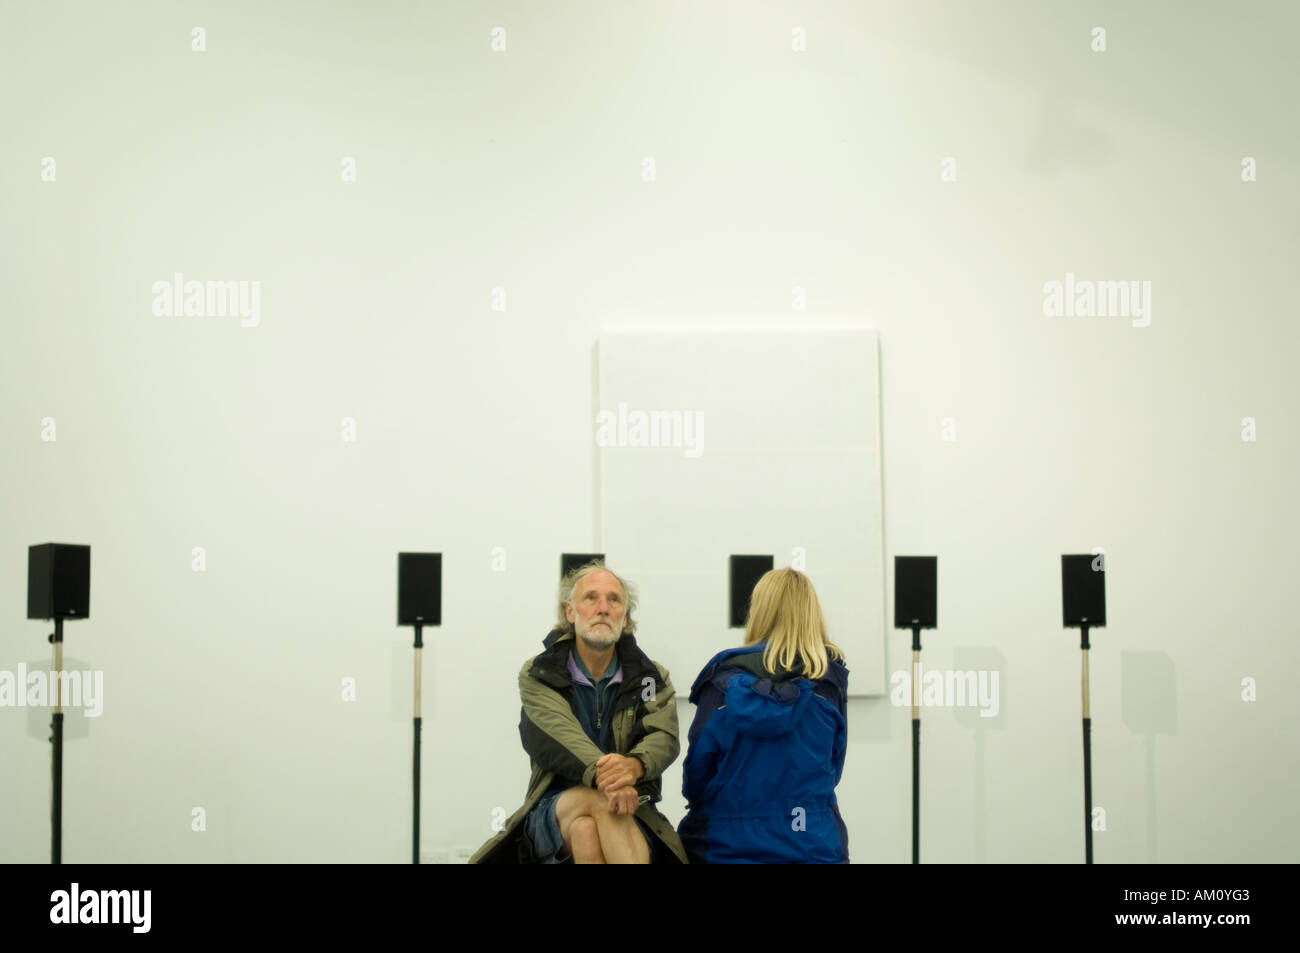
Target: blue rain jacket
766,751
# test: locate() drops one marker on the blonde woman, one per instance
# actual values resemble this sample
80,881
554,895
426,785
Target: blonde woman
766,749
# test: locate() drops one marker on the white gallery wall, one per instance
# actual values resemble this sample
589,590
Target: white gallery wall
437,210
757,443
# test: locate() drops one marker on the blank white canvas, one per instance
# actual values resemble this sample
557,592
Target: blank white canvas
788,460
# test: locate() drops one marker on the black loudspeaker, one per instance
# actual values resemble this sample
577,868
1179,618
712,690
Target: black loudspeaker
1083,591
58,581
745,572
571,561
916,585
419,588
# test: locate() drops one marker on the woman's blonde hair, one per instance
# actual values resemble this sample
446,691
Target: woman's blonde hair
784,612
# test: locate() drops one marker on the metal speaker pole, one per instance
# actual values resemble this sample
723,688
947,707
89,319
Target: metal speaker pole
916,586
1083,606
58,588
419,603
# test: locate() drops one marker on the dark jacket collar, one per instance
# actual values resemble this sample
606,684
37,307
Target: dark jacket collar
551,664
749,658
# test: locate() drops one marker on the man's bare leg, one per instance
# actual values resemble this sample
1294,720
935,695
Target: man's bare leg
578,827
617,840
621,839
585,841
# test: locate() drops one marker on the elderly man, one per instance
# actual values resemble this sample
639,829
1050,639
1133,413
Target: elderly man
599,723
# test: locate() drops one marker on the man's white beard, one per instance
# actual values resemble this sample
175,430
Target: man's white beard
600,638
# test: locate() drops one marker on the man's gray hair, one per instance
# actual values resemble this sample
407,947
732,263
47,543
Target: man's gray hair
570,583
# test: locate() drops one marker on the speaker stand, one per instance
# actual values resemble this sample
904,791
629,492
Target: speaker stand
916,747
1087,756
415,757
56,759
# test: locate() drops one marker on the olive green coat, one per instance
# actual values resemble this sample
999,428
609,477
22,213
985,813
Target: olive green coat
644,725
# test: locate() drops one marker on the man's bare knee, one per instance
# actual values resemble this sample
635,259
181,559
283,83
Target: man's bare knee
579,802
595,804
585,841
574,804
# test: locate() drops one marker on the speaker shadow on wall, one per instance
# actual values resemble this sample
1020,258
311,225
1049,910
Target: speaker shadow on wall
75,723
989,667
1148,700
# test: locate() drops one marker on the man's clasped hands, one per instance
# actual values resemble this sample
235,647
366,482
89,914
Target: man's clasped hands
616,776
